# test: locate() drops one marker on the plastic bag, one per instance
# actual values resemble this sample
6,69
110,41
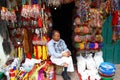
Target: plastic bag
93,74
90,62
84,75
81,64
98,59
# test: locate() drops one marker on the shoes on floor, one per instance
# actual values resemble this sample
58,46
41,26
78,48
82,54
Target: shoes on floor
65,76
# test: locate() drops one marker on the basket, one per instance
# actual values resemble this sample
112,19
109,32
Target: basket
58,69
107,78
107,69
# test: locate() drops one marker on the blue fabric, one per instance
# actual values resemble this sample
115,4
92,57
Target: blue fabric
91,45
101,45
55,48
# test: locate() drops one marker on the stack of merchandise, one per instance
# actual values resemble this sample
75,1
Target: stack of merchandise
87,29
87,37
37,23
107,71
31,69
88,66
29,29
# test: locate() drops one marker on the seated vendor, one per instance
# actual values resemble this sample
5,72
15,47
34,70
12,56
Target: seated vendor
60,54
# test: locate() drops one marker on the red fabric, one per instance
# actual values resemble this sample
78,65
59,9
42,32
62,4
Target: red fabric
54,78
28,55
115,18
40,22
36,38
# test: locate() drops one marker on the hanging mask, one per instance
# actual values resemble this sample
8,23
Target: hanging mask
37,31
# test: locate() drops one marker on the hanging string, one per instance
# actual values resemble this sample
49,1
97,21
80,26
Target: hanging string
39,2
83,10
114,5
118,4
9,5
35,1
23,2
29,2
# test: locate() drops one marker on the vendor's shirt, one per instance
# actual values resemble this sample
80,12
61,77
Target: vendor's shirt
56,48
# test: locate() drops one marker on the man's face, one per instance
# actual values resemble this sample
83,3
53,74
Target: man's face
56,36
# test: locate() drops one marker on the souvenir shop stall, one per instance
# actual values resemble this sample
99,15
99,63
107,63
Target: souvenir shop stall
88,38
25,28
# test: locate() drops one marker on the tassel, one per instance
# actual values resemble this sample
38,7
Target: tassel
44,53
39,52
29,55
30,36
35,1
29,2
115,18
22,56
23,2
34,51
40,2
40,22
36,48
25,42
19,52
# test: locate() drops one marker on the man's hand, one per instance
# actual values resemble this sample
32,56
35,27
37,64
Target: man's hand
66,54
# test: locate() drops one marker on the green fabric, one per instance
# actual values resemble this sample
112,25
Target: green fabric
1,75
111,51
